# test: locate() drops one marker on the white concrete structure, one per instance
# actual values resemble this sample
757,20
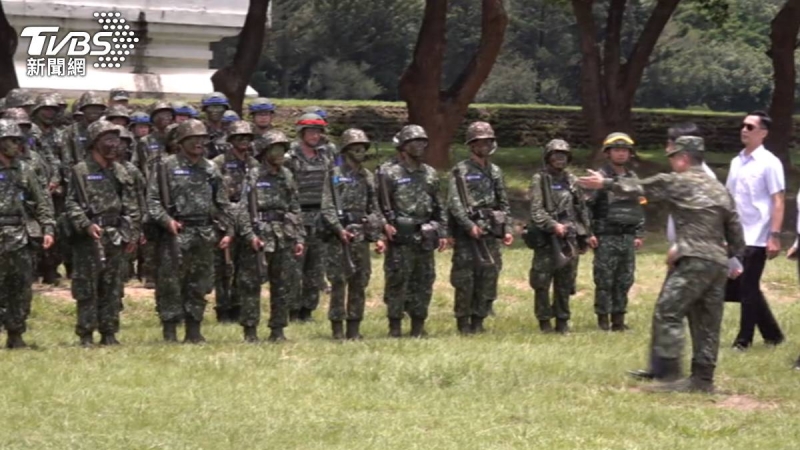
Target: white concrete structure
173,56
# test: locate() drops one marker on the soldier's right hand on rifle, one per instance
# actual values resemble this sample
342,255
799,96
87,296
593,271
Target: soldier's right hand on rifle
390,231
298,249
257,244
476,232
560,230
174,227
346,236
380,247
94,231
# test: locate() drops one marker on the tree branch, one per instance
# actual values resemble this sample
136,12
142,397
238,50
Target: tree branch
428,53
611,49
8,46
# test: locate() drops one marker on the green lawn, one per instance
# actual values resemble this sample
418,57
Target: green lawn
509,388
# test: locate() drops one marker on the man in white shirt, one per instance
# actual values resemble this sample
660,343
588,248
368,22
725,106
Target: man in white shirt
757,184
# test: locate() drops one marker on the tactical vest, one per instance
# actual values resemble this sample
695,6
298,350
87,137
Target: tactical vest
80,140
563,199
611,210
310,180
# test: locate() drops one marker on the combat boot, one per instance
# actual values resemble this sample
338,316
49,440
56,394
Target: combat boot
222,315
395,328
233,313
193,334
250,334
108,339
15,340
477,325
49,276
294,315
305,315
352,330
701,380
463,325
418,327
87,339
618,322
602,322
276,335
661,369
170,331
338,329
562,326
546,326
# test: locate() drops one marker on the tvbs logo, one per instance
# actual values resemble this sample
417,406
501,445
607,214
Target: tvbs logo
112,45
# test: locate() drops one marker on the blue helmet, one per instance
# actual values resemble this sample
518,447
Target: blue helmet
315,110
230,116
261,104
215,98
140,117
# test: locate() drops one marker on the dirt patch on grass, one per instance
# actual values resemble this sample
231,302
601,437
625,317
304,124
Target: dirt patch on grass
134,291
776,293
745,403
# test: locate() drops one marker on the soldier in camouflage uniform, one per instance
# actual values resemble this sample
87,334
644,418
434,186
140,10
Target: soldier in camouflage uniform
92,106
233,165
262,112
20,98
140,125
475,283
562,213
618,223
62,120
154,145
708,234
118,115
102,207
214,106
199,199
229,117
355,220
308,163
126,149
276,230
118,97
416,226
75,114
183,111
29,153
25,213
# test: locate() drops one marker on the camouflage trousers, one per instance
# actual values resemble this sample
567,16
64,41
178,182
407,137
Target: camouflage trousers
694,289
308,276
279,268
146,261
475,287
543,273
224,292
98,291
409,272
181,288
348,295
16,276
614,267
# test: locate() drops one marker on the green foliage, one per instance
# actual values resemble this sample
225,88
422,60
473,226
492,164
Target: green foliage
331,79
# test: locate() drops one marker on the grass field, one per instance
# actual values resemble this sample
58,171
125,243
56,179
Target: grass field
509,388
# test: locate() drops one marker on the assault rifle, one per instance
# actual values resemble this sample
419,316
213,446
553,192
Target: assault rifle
166,202
252,208
561,259
347,257
479,248
83,201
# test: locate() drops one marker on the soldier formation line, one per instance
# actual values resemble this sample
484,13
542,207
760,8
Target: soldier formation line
229,205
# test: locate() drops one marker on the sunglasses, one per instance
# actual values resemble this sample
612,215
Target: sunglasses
748,126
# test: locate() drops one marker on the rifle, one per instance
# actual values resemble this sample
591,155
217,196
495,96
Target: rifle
347,257
252,207
479,248
560,258
384,200
83,200
142,157
166,202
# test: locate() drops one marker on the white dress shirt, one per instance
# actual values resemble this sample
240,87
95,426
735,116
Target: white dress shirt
670,222
752,181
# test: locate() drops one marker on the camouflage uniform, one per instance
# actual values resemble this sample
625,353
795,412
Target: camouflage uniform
260,105
199,198
217,136
359,214
616,221
708,233
20,98
413,208
309,174
279,226
475,284
569,209
233,170
112,205
140,186
77,137
25,214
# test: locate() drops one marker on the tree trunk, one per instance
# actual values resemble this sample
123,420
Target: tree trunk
783,39
232,80
608,86
439,111
8,46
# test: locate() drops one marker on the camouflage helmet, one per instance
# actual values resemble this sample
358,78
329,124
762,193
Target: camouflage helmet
118,111
190,128
557,145
46,101
100,127
9,128
183,109
240,127
310,120
124,134
139,117
215,98
171,132
230,116
18,115
409,133
315,110
618,140
19,98
273,137
479,130
690,144
59,99
91,98
261,104
354,136
160,106
118,94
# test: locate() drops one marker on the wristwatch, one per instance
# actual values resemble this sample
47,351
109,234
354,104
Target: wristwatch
775,234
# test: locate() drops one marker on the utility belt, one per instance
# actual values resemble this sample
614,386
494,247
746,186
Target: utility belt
11,221
312,207
270,216
416,231
194,221
493,220
106,221
614,229
353,218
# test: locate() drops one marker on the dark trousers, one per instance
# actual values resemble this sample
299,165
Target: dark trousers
755,311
